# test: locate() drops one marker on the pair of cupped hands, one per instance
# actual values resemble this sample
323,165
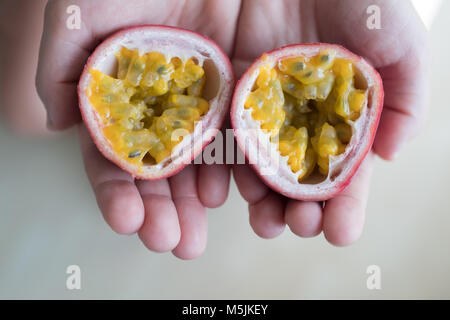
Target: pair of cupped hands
170,214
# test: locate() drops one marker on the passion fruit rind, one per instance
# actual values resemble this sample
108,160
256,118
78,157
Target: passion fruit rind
149,105
307,105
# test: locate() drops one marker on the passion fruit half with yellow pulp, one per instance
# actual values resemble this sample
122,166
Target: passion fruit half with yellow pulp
153,97
308,113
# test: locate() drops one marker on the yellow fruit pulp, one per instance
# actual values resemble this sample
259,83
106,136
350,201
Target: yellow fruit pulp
150,104
308,105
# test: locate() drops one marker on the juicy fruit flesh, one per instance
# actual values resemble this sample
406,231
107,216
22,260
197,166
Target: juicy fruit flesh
308,106
150,104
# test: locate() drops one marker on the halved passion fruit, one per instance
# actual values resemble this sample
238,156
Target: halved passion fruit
306,116
153,97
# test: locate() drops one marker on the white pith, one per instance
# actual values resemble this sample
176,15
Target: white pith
172,43
264,155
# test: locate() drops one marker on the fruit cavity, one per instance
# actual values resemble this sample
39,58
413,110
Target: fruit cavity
149,105
308,106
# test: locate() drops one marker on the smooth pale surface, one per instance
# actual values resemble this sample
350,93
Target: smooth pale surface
49,220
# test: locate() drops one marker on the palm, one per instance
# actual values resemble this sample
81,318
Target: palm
168,214
400,59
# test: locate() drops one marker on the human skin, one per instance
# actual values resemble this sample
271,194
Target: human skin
170,214
20,32
399,51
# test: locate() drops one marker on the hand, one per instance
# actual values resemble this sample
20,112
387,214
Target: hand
168,214
20,107
398,51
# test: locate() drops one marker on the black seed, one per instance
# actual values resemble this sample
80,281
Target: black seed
308,74
160,69
134,154
177,124
324,58
299,66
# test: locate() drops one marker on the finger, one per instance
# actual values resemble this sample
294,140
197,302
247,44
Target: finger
253,27
267,215
266,208
343,218
214,178
240,66
215,10
252,24
251,188
405,104
63,53
117,196
23,111
213,184
160,231
304,218
191,214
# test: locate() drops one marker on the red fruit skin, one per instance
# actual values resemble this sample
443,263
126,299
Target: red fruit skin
81,91
236,103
